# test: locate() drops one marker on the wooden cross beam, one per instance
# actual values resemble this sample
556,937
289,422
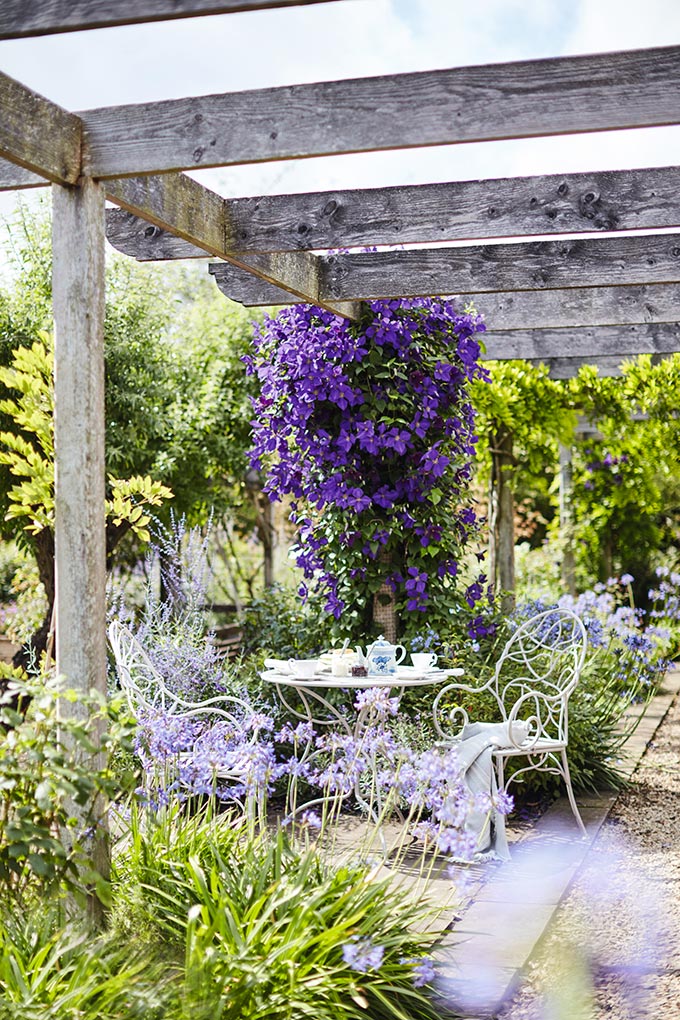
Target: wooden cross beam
579,307
20,19
567,368
430,213
477,269
38,135
595,341
41,137
574,307
197,215
638,88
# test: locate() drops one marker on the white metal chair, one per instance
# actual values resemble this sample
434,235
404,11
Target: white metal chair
543,661
149,696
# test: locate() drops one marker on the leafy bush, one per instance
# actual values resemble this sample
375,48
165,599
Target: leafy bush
28,601
278,623
53,791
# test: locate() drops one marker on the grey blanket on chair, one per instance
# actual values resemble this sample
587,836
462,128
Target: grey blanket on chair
475,753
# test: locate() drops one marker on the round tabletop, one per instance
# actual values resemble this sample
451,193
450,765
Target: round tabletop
406,676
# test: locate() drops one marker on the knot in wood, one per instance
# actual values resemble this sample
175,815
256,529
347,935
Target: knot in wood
563,189
330,207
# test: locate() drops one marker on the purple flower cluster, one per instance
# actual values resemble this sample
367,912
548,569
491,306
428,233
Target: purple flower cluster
370,429
363,955
608,465
383,770
665,611
186,756
618,629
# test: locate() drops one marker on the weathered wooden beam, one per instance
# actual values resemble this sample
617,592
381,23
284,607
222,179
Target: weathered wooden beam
237,284
479,269
80,540
598,341
15,178
430,213
578,306
638,88
197,215
20,19
38,135
534,265
568,368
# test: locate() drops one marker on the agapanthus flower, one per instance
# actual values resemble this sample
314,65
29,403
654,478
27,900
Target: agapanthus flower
363,955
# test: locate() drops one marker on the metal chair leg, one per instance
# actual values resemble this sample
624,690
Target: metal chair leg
570,792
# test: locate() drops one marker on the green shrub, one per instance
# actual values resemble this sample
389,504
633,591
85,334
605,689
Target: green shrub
53,790
277,622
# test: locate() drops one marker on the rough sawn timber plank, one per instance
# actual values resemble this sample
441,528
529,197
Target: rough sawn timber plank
431,213
637,88
479,269
38,135
20,19
579,306
531,265
197,215
593,341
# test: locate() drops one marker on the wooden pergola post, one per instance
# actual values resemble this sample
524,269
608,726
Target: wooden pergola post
567,519
501,519
80,544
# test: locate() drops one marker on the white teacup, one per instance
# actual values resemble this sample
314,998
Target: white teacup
424,660
304,667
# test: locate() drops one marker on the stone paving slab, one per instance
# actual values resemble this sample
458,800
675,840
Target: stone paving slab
483,954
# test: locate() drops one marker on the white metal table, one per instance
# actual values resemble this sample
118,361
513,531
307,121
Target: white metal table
315,707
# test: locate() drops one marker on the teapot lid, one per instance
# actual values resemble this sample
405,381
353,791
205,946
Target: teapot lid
382,643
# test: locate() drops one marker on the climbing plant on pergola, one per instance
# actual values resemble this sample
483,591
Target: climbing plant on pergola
561,301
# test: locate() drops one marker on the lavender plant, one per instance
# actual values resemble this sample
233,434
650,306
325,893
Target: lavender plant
369,428
199,732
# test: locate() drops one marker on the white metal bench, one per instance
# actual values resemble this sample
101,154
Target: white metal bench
542,662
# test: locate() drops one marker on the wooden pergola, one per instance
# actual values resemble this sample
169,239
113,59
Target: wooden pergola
562,301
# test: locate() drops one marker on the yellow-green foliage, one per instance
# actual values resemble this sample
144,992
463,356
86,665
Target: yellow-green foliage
29,451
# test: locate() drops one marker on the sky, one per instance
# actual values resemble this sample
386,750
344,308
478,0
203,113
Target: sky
356,38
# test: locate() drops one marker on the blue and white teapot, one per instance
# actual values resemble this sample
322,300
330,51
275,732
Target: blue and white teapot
382,657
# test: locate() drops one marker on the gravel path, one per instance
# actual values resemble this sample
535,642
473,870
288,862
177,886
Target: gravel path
613,948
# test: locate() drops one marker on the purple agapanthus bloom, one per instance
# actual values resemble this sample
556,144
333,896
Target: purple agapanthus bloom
363,955
424,972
